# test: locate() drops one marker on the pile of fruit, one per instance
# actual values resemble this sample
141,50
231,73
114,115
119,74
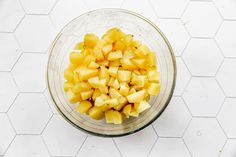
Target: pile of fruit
112,76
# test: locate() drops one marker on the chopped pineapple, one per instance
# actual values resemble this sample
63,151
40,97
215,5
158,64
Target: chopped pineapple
142,106
153,88
84,106
114,93
113,71
81,86
154,76
86,73
95,82
136,97
72,97
90,40
68,85
124,89
93,65
86,94
126,110
115,63
106,49
114,55
68,75
96,94
76,58
115,84
96,113
124,75
113,117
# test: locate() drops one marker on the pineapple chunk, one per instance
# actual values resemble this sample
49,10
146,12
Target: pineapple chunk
153,76
112,35
103,74
142,106
124,89
81,86
153,88
68,85
133,113
112,102
128,64
86,94
114,93
99,101
111,80
139,62
142,51
106,49
119,45
128,54
132,90
104,89
88,59
115,63
139,80
96,94
96,113
72,97
86,73
83,107
76,58
113,71
114,55
96,83
151,59
126,110
122,101
69,75
115,84
136,97
90,40
103,63
113,117
93,65
124,76
98,54
79,46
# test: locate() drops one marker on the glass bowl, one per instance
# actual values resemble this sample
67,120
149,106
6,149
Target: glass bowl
98,22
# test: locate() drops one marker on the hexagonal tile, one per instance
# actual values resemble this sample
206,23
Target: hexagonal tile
103,4
95,145
202,57
26,113
169,8
229,149
72,8
132,146
183,77
37,7
11,14
226,115
225,37
27,145
61,138
227,8
8,91
173,120
169,147
50,102
40,33
203,96
142,7
29,72
10,51
7,133
204,137
176,34
201,19
226,77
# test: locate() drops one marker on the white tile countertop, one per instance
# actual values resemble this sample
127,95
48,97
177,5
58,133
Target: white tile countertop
200,120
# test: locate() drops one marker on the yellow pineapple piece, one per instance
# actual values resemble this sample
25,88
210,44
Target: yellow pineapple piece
122,102
106,49
86,94
142,106
103,63
127,64
151,59
124,89
93,65
153,88
133,113
81,86
96,113
83,107
85,73
114,117
140,62
126,110
128,54
119,45
113,71
68,85
112,102
132,90
124,75
153,76
95,82
96,94
88,59
72,97
103,74
110,82
136,97
114,55
90,40
115,63
68,75
142,50
115,84
99,101
114,93
76,58
79,46
139,80
104,89
97,52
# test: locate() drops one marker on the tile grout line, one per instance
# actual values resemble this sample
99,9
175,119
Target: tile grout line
81,145
117,147
152,147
